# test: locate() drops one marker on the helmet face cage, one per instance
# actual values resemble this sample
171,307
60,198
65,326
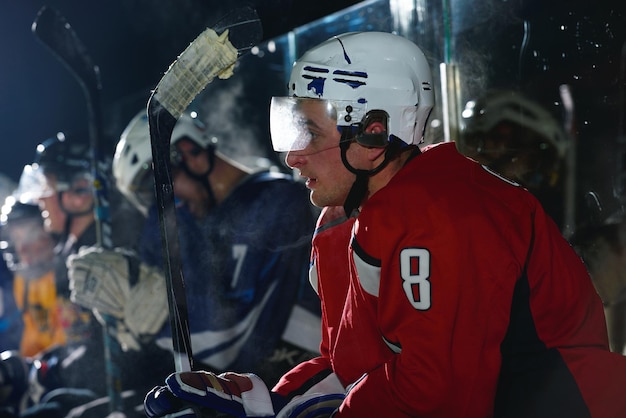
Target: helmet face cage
364,71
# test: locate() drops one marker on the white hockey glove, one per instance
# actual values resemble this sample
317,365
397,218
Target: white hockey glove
116,284
201,393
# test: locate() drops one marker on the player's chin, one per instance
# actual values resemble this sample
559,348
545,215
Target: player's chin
314,199
317,198
321,199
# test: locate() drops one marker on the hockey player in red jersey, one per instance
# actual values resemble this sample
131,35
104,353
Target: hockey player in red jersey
446,290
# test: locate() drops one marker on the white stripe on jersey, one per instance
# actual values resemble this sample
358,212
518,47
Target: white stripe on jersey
369,275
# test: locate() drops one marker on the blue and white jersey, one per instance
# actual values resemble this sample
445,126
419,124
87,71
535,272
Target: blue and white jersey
245,268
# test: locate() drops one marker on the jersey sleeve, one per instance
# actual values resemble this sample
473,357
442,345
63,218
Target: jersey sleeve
302,377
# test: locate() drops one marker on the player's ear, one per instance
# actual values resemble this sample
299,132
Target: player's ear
375,127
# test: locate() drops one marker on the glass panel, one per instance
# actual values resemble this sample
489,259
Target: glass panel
568,57
548,51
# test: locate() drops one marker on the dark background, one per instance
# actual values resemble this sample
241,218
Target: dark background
132,41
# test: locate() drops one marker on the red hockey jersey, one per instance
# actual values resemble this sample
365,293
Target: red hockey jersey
464,300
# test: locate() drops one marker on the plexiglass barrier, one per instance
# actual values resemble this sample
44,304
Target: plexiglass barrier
567,57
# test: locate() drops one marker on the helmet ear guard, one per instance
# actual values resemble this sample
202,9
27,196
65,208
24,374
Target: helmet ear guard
358,131
378,139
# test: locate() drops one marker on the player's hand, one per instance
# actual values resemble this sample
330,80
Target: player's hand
192,394
116,284
160,402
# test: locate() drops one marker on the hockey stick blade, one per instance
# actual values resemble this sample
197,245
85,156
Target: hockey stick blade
52,29
210,55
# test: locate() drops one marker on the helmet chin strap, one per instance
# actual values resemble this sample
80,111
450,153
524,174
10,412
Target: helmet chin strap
358,191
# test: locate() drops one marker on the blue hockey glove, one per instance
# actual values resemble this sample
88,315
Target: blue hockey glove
195,394
160,402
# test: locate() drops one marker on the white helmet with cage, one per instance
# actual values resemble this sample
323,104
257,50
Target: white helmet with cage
356,73
132,162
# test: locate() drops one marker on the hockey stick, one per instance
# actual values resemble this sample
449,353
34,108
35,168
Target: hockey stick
53,30
210,55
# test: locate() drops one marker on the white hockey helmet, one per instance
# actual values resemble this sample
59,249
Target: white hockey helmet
484,114
189,126
132,162
515,136
359,72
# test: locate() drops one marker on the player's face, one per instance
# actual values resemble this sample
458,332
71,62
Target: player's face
32,244
78,199
191,191
194,157
319,163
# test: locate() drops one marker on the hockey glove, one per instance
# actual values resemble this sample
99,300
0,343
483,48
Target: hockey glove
238,395
160,402
116,284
